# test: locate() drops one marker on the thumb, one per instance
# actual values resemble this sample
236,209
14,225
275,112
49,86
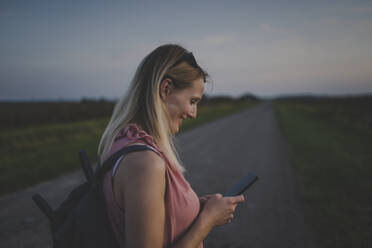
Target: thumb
238,199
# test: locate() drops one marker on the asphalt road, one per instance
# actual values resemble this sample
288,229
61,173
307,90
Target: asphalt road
215,155
218,154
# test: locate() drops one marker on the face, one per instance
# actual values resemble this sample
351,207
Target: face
181,104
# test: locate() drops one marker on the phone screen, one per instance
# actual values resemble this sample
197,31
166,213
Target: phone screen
242,185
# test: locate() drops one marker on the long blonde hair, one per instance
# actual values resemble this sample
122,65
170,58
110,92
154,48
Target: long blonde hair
143,105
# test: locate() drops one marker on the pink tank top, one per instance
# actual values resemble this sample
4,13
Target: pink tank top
182,205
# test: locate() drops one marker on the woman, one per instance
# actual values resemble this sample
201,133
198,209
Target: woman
149,202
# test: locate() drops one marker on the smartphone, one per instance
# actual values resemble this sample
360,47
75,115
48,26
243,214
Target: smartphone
242,185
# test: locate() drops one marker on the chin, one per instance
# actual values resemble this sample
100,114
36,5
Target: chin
175,129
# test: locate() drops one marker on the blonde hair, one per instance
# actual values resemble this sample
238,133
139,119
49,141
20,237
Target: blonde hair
143,104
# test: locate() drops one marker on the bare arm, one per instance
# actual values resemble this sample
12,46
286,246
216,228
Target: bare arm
195,235
216,211
141,184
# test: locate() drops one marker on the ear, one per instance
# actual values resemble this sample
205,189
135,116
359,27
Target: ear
166,88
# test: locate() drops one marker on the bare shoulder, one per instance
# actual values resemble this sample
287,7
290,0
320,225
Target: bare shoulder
143,161
143,166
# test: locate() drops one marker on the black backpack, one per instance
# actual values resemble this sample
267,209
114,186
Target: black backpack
82,220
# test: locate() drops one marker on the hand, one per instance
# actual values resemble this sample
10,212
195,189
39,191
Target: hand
219,210
203,199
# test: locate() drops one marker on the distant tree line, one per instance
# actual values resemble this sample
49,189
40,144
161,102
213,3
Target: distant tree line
222,99
363,98
22,114
33,113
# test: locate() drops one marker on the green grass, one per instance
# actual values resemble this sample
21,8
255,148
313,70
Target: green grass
35,154
212,112
32,155
332,158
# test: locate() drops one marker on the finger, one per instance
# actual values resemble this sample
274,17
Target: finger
205,198
218,195
230,199
233,208
238,199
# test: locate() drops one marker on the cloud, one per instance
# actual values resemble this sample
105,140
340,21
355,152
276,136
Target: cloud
217,40
313,58
362,10
211,41
267,27
331,20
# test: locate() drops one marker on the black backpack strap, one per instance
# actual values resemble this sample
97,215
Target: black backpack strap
44,207
87,166
107,165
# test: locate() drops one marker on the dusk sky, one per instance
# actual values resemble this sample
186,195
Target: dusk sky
73,49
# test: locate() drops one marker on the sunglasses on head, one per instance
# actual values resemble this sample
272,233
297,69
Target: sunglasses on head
189,58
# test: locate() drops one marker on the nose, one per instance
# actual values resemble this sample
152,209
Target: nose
192,113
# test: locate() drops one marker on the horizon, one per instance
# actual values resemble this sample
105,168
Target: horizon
299,95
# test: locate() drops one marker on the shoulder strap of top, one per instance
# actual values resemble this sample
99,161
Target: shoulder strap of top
107,165
122,156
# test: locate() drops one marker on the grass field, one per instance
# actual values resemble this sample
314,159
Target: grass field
34,154
331,144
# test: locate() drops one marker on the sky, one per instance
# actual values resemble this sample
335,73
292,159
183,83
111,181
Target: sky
74,49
